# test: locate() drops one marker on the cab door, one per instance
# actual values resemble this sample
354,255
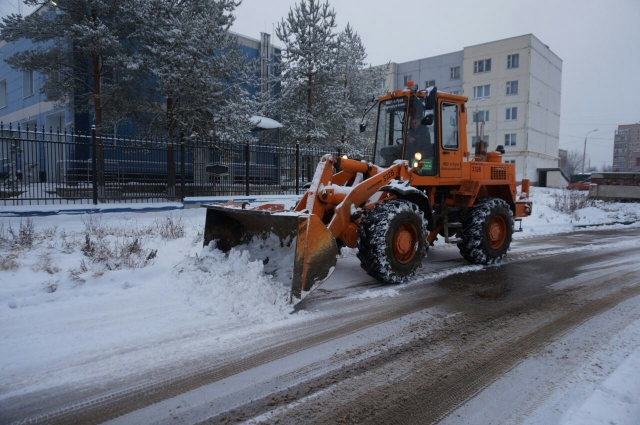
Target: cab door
450,152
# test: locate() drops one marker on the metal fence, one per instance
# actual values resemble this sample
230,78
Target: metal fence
45,167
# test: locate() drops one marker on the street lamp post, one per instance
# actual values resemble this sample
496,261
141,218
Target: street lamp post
584,152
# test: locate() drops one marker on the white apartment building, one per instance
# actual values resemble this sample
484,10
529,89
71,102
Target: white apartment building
513,84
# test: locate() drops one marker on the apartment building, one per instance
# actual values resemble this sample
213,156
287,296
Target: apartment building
514,88
626,148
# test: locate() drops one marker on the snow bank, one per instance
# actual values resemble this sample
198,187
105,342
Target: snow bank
232,287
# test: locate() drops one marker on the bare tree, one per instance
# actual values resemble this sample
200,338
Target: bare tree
573,163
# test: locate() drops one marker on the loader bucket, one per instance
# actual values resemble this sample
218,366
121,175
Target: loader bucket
296,249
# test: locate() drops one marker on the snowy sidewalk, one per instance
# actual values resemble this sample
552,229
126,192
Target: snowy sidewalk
119,207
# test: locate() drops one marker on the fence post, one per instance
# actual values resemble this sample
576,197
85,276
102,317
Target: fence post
182,181
246,168
297,168
94,162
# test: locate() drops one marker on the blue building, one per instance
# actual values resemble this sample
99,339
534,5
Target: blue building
21,101
24,107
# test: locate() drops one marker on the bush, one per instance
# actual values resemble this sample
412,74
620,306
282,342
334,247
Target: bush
568,201
26,234
170,227
9,262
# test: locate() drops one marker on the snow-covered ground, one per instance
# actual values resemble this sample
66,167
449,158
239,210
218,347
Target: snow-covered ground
120,289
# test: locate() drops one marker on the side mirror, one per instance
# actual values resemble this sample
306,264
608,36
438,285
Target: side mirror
430,100
363,126
427,119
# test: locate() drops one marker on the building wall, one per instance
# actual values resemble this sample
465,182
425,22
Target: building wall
391,71
437,68
544,100
498,100
34,109
626,147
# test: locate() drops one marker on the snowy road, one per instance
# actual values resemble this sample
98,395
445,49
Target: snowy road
537,339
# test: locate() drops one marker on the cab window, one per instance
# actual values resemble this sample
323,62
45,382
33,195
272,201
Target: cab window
449,125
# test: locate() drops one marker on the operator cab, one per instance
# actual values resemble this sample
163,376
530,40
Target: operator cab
406,131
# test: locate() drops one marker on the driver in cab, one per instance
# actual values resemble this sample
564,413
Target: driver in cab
418,137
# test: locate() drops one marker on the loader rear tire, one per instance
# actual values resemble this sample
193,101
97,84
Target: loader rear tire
487,231
392,240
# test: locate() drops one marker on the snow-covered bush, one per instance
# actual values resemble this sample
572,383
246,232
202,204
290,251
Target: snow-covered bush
170,227
569,201
45,263
9,262
25,235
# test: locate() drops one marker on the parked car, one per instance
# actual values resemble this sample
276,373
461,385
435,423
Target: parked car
583,185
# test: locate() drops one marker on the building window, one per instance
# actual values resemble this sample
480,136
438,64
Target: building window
512,114
429,83
455,73
27,83
510,161
482,66
510,139
381,84
406,79
512,87
481,116
482,91
3,93
513,61
474,139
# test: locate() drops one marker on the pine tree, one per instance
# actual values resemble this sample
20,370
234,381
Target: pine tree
196,65
79,46
309,95
324,80
360,84
197,68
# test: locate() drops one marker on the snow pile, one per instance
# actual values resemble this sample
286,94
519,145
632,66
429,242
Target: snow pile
232,286
548,217
376,294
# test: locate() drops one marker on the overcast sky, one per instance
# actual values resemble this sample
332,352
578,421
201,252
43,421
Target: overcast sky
597,40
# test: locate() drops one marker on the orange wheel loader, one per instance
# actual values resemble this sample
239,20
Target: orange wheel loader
422,183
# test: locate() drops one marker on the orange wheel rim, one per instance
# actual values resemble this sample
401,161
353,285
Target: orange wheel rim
404,241
496,232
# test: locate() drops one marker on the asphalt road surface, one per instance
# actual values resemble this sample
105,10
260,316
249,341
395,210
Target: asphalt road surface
421,356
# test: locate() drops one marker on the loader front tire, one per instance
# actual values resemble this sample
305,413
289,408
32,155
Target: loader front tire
392,240
487,231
